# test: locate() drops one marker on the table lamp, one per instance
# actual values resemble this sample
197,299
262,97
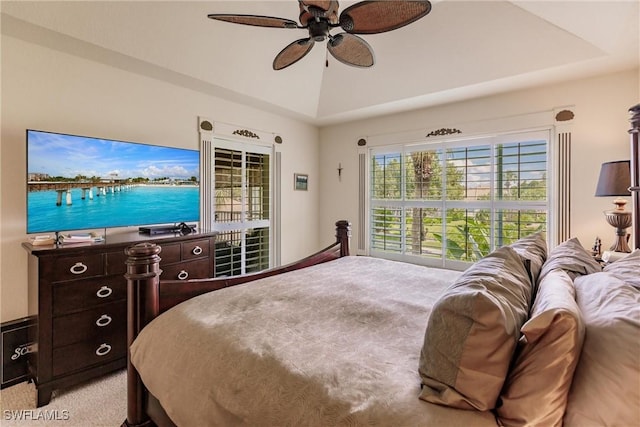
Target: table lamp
615,180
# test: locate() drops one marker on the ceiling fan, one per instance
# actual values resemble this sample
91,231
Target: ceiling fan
320,16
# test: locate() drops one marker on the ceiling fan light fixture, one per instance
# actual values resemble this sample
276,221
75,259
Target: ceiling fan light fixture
318,30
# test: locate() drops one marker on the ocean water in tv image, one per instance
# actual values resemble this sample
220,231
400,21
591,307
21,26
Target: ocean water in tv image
135,205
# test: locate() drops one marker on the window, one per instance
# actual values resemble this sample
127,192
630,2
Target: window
242,207
452,203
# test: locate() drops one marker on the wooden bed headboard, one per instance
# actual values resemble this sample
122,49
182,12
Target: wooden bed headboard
635,174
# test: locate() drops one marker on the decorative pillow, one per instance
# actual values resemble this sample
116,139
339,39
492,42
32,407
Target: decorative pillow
534,249
536,389
606,383
473,331
571,257
627,269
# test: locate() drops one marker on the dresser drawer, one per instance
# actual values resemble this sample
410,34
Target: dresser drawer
77,267
83,294
170,253
80,355
195,249
116,262
186,270
101,321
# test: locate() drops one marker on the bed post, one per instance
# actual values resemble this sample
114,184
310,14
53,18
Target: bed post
143,280
343,232
635,173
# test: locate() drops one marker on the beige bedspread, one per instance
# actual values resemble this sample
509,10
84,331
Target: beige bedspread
334,344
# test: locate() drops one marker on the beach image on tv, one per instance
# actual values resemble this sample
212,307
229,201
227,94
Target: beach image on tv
77,183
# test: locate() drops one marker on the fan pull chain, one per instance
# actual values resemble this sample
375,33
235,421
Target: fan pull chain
326,59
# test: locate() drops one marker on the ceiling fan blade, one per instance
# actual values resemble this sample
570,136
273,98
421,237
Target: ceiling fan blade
292,53
374,16
351,50
255,20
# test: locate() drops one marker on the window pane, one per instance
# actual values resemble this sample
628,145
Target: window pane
386,176
424,232
257,177
386,226
521,171
468,234
228,259
228,185
257,253
242,205
512,224
468,173
424,175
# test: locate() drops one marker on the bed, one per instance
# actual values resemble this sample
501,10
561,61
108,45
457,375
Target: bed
525,336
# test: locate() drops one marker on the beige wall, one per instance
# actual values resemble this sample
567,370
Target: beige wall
599,134
49,90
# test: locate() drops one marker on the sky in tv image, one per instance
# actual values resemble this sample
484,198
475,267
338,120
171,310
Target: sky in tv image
69,156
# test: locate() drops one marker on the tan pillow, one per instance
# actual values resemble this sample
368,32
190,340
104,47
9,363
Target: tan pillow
536,389
573,258
534,249
473,331
606,384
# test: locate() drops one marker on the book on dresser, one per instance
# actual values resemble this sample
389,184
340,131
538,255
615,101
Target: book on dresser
79,295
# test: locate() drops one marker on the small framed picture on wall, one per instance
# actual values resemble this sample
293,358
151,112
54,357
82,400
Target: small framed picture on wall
300,181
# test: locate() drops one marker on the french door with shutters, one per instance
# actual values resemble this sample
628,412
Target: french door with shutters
242,207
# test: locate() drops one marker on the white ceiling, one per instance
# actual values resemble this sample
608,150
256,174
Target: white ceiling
462,49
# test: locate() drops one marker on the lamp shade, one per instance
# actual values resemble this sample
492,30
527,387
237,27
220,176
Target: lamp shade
615,179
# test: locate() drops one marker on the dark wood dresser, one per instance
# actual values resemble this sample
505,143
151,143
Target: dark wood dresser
79,295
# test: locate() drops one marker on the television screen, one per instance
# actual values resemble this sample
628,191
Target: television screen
80,183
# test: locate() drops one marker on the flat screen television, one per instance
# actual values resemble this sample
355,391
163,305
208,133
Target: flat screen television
85,183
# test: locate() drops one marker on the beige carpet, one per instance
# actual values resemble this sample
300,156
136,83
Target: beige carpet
101,402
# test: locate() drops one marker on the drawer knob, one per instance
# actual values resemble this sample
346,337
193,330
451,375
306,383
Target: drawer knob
183,275
78,268
197,250
103,350
104,292
103,320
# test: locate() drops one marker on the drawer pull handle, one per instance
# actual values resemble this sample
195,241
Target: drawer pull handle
104,292
103,320
103,350
197,250
78,268
183,275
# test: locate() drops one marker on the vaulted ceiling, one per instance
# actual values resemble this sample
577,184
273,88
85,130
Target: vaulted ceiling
462,49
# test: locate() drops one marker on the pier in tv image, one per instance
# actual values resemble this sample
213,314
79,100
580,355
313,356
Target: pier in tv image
76,182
